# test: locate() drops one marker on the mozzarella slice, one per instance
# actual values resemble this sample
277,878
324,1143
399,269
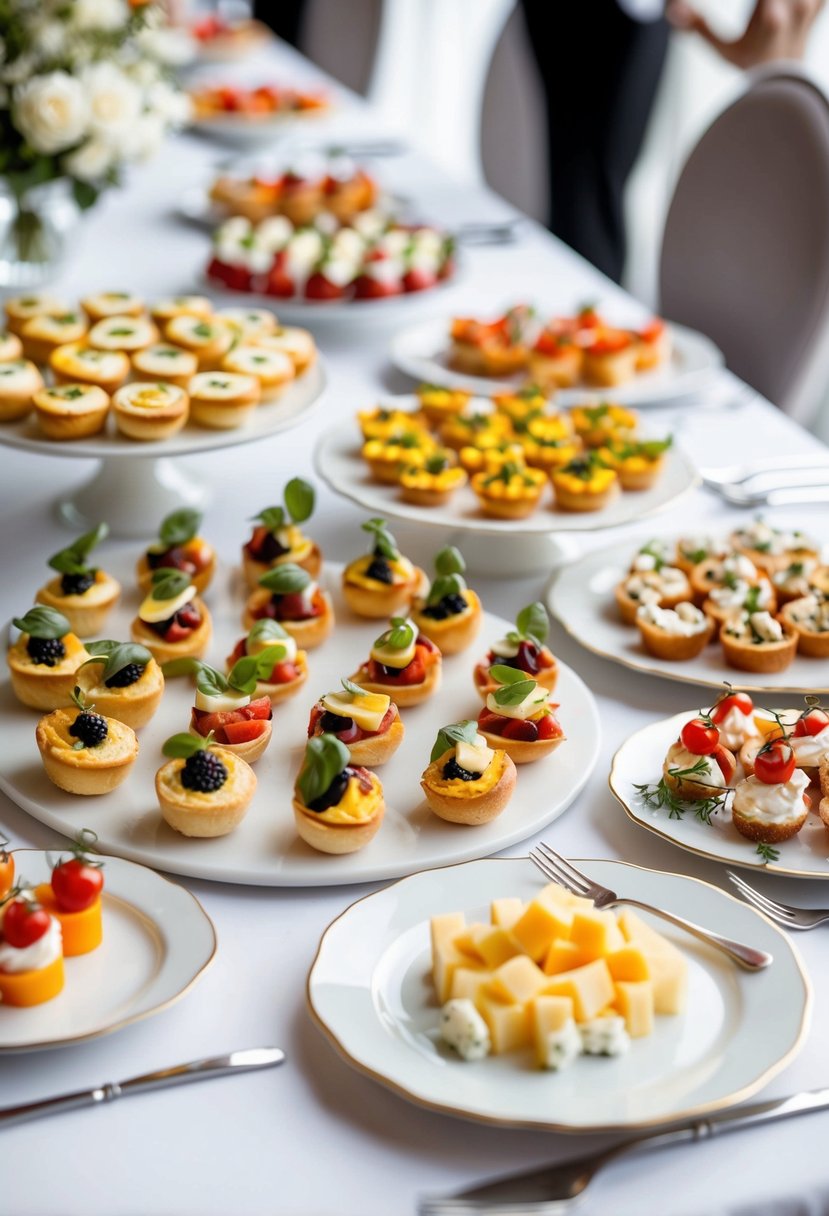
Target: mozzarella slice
221,702
475,757
287,643
367,710
390,657
152,611
504,648
530,707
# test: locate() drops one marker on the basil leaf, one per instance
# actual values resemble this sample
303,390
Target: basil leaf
449,560
72,559
533,622
267,659
118,655
351,687
514,694
104,647
179,527
299,499
242,675
272,517
286,579
266,630
450,584
168,583
210,682
325,759
503,674
181,747
41,622
448,736
185,666
384,543
652,448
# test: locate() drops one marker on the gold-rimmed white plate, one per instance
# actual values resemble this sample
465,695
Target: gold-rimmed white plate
581,598
369,991
639,762
158,941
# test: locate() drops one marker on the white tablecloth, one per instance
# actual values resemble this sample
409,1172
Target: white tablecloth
316,1138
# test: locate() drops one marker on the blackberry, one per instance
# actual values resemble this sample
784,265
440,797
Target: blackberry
450,605
76,584
90,728
204,772
452,771
126,676
271,548
333,794
332,724
48,651
380,571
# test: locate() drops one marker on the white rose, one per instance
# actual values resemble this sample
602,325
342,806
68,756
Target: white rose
98,14
50,38
90,161
144,138
51,112
172,47
169,103
114,101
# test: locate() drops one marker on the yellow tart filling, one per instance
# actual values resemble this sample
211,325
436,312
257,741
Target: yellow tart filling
357,805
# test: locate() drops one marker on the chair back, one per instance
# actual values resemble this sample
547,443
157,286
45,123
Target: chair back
745,252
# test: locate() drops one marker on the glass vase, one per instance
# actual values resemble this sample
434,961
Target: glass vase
34,232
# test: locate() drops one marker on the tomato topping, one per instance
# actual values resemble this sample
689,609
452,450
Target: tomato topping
653,330
368,288
282,673
732,700
76,884
245,731
812,722
727,763
204,721
775,762
699,737
609,341
426,653
24,923
418,279
259,708
318,287
529,730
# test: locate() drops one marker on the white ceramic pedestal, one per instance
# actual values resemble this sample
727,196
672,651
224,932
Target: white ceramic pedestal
514,556
133,495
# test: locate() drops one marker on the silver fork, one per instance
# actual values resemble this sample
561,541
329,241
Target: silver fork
782,914
555,867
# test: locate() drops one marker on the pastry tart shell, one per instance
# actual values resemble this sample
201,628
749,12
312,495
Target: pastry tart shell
566,500
206,815
763,658
377,749
308,633
546,677
57,421
90,770
522,751
629,607
253,570
673,648
693,791
193,646
249,751
41,687
385,601
403,695
771,833
337,838
133,705
810,642
85,619
481,808
454,633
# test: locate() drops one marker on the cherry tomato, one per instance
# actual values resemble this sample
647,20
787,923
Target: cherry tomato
6,871
699,737
812,722
733,700
24,923
76,885
774,763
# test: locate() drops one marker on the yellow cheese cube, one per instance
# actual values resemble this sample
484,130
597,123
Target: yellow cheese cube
518,980
542,922
635,1002
565,956
590,988
466,981
666,964
628,964
596,931
445,956
443,929
555,893
548,1015
495,946
509,1025
466,941
505,912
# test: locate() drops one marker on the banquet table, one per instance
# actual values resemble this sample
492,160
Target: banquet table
315,1137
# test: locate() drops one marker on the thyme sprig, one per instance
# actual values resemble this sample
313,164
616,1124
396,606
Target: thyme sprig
660,796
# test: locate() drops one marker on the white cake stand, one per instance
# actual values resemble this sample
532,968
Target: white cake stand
137,484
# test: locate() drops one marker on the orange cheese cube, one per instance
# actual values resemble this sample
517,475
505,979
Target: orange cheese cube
666,964
466,941
596,931
542,922
517,980
82,931
548,1015
628,963
509,1025
565,956
496,946
590,988
444,928
505,912
466,982
27,988
445,956
635,1002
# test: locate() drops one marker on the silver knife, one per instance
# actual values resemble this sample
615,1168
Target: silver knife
181,1074
548,1189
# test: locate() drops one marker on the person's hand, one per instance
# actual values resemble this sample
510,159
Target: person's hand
777,29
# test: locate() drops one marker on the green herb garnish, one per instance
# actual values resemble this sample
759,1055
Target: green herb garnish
168,583
185,745
45,623
116,656
179,527
384,544
449,736
72,559
325,758
767,852
285,579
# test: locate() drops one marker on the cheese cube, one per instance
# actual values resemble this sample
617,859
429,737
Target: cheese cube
629,963
505,912
495,946
666,964
555,893
596,931
542,921
565,956
590,988
509,1025
443,929
466,981
466,940
605,1036
462,1027
548,1015
518,980
635,1002
445,956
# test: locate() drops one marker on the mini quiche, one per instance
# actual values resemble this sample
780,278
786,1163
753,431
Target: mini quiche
466,780
249,323
736,595
71,411
19,309
180,306
638,463
490,459
663,585
80,364
432,483
403,663
273,369
519,716
123,680
298,344
438,404
772,804
512,491
523,648
696,548
221,401
388,457
733,571
368,723
584,484
793,581
179,547
84,752
809,618
112,304
449,614
278,538
149,412
599,424
383,582
287,594
31,952
225,708
285,669
73,897
43,334
674,634
172,622
122,333
165,363
44,660
756,641
476,429
384,423
83,593
521,406
698,766
547,443
10,346
338,806
20,381
762,544
208,338
203,790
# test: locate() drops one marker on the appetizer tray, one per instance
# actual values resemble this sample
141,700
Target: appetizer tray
265,850
296,311
338,461
368,993
639,762
421,352
581,598
158,941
